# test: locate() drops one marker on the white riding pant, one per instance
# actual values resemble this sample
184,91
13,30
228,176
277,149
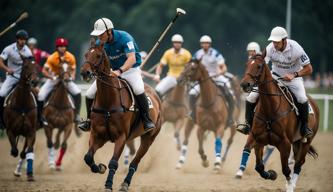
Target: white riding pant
166,84
49,85
296,86
8,85
219,80
132,76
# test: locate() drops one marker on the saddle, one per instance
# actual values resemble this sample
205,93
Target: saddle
20,110
291,98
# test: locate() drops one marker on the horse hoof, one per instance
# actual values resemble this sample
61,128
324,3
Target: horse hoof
52,165
102,168
217,167
107,190
239,174
179,165
272,174
124,187
30,178
58,168
17,174
205,163
14,152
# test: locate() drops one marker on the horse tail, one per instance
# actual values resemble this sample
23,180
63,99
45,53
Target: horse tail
313,152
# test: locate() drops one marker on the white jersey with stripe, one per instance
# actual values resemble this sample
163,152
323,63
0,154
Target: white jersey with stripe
290,60
211,59
14,60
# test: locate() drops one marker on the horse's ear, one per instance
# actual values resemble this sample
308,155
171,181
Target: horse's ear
92,42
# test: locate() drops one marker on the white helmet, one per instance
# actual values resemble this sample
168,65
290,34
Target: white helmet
205,39
277,34
32,41
253,46
177,38
101,25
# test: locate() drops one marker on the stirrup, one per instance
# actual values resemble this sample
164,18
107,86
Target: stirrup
308,133
243,128
84,125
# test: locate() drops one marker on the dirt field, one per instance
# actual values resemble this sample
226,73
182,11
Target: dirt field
157,171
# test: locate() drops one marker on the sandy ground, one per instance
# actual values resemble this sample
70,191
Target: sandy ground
157,170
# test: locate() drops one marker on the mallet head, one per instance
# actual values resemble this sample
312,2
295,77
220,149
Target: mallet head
181,11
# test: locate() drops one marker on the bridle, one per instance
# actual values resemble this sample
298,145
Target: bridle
101,75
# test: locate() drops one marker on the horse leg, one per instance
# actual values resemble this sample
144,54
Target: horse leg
218,147
94,144
268,152
230,140
188,129
67,133
200,136
178,125
129,151
146,141
284,147
30,156
245,156
113,163
57,142
48,133
12,139
300,151
260,167
17,172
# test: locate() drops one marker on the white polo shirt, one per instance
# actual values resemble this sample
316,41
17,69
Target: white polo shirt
14,60
211,60
290,60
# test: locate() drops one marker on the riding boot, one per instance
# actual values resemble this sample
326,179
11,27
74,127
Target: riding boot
2,123
192,101
85,125
306,132
144,112
77,103
230,99
41,118
249,114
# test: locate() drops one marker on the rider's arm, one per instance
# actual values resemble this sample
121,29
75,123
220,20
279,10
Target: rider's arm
4,67
223,68
159,69
46,70
131,60
307,70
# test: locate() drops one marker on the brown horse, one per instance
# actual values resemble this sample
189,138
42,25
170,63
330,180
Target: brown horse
20,117
276,123
59,113
175,108
111,119
211,112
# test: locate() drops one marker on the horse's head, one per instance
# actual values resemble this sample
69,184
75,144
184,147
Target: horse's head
96,62
29,70
191,72
254,73
65,71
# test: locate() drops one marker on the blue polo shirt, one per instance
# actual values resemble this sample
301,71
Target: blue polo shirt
122,44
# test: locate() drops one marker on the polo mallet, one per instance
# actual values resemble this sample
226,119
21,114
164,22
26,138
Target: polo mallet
179,11
24,15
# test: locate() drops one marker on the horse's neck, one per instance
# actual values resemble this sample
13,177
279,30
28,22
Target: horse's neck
270,102
60,96
21,95
178,94
208,89
107,96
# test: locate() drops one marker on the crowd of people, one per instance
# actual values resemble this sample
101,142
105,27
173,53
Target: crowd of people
320,80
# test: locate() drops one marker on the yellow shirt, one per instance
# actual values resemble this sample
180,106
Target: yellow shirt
176,61
53,62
